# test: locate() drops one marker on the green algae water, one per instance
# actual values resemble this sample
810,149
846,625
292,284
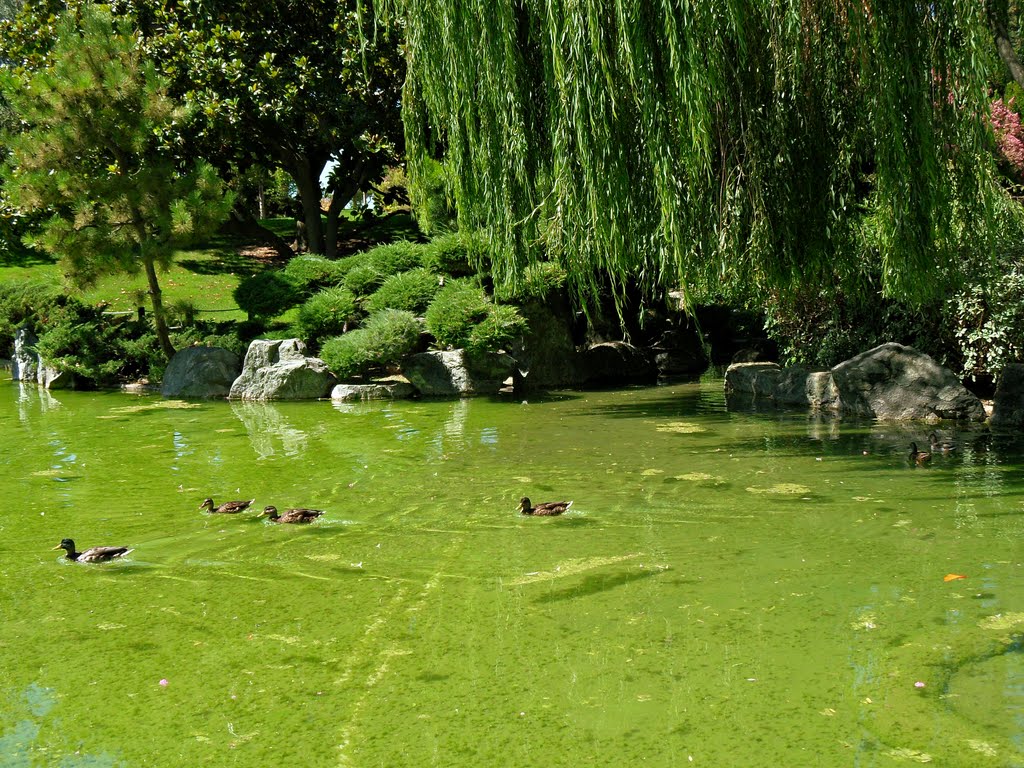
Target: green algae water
728,589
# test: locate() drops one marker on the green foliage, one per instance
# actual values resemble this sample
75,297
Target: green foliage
462,316
433,198
540,280
502,325
412,291
452,315
387,337
363,279
396,257
266,294
326,313
697,144
988,321
92,154
310,272
457,254
25,302
97,348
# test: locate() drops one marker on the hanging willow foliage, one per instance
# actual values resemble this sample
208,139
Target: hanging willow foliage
706,143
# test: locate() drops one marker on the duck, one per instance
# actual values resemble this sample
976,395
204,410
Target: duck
547,509
92,555
299,515
227,508
918,457
939,446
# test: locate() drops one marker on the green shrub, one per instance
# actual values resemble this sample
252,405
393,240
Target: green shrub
496,331
456,254
412,291
309,273
347,264
387,337
27,302
433,198
363,279
326,314
396,257
266,294
99,348
540,280
454,311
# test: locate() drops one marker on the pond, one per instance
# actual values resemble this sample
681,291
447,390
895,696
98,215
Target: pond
729,588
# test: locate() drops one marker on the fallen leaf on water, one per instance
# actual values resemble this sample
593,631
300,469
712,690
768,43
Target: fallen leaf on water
953,576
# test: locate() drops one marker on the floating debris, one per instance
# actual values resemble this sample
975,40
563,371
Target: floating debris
782,489
680,427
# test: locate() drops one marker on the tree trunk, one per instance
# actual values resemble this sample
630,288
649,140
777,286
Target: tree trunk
307,181
340,197
156,299
999,23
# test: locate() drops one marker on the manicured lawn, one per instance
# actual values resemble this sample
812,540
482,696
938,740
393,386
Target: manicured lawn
204,277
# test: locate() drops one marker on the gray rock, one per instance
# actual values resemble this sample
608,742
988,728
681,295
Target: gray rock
276,369
546,356
1008,403
354,393
615,363
457,373
25,363
679,352
890,382
201,372
894,382
51,378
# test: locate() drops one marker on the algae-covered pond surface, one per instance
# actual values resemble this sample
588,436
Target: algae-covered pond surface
728,589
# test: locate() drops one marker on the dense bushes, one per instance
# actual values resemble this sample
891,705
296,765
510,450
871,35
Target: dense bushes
455,254
309,273
326,313
266,294
462,316
386,338
27,302
411,291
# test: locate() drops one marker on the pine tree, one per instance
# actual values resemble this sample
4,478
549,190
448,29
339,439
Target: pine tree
91,152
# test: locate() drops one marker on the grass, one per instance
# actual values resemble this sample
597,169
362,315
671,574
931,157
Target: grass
207,276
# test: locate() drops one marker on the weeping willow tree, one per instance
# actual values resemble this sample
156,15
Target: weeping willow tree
701,144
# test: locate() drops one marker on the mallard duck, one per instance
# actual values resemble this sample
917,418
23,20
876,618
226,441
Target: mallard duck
292,515
548,509
940,446
93,555
918,457
227,508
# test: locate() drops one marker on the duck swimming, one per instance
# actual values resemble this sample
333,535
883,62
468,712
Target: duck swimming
227,508
918,457
940,446
292,515
547,509
92,555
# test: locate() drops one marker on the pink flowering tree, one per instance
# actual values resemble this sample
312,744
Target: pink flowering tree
1010,135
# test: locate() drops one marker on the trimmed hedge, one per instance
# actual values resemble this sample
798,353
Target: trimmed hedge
412,291
387,337
326,314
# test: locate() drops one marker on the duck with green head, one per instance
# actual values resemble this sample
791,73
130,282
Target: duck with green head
93,554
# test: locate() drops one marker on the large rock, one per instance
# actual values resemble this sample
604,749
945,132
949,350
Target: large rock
457,373
276,369
1008,403
378,390
614,363
546,356
895,382
890,382
201,372
785,386
25,363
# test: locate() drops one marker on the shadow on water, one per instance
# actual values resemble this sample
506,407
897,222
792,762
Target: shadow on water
595,584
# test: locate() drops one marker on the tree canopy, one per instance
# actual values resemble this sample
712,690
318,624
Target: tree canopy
762,143
91,151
